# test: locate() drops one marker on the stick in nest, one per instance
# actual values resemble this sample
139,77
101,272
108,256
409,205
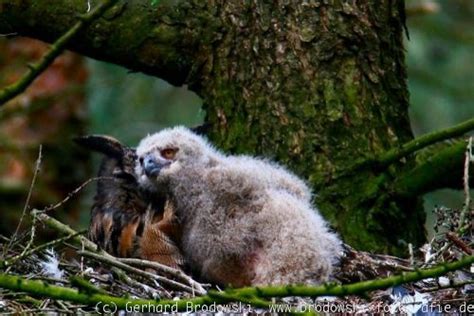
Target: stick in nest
110,260
27,204
100,255
176,273
24,254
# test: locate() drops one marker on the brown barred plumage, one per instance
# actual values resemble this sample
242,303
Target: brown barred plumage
124,220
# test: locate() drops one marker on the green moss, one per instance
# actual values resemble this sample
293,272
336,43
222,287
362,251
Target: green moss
334,105
373,186
351,86
164,34
302,97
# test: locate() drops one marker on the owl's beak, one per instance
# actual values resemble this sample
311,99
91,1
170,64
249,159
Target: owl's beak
153,166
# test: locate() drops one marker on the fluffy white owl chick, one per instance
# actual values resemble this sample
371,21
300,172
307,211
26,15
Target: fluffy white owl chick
245,221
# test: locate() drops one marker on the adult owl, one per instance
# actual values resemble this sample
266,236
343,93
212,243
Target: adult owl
125,221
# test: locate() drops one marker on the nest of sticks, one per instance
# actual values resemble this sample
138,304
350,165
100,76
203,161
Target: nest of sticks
73,262
71,274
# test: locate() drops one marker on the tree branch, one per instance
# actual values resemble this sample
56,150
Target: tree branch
27,202
95,253
65,230
112,261
441,168
250,295
395,154
11,261
354,288
178,274
163,40
469,158
56,49
423,141
43,289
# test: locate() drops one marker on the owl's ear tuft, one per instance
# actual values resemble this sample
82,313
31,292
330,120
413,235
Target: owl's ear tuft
201,130
104,144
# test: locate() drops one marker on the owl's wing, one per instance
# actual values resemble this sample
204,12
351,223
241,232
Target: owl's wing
147,235
160,239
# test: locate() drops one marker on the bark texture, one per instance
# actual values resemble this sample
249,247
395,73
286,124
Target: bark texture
316,85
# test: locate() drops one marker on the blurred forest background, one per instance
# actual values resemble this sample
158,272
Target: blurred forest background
82,96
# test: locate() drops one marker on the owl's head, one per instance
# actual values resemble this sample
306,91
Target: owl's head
168,152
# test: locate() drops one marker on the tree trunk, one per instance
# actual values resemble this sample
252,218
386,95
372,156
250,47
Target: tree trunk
316,85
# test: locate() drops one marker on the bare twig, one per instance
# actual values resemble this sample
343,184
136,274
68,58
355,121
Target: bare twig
42,310
65,230
467,202
64,307
8,34
411,255
56,49
32,236
178,274
26,253
90,246
449,286
77,190
153,293
360,265
459,243
435,256
27,202
82,259
110,260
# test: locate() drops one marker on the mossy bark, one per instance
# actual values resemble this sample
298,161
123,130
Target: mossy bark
315,85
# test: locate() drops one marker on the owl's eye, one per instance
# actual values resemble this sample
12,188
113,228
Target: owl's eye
141,160
168,153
